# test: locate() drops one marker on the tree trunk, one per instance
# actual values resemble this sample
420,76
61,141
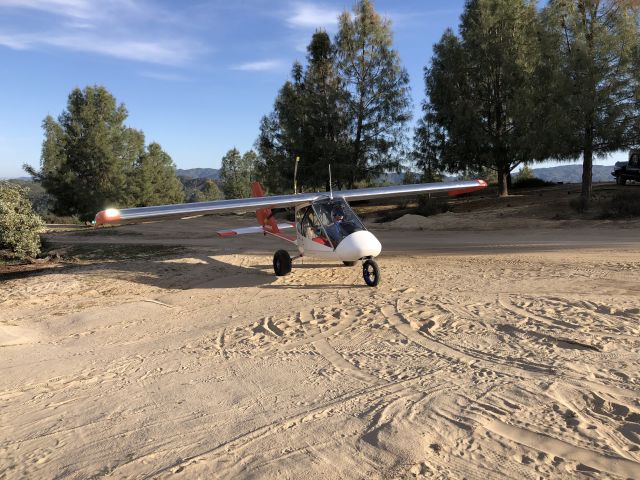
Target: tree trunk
503,181
587,173
587,163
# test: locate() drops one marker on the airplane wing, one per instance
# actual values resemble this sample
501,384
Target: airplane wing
133,215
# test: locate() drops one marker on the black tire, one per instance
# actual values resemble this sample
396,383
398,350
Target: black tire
349,264
620,180
282,263
371,273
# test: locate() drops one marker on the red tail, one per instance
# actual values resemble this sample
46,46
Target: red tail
264,215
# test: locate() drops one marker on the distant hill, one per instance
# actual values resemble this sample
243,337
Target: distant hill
573,173
561,173
211,173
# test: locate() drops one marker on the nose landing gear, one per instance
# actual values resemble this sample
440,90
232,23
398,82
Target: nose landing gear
370,272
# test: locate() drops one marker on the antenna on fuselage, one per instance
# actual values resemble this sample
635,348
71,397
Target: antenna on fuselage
330,186
295,176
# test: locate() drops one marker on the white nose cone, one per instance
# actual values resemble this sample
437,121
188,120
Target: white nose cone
357,245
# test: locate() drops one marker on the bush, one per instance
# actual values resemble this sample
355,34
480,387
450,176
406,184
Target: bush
531,182
19,225
622,205
431,206
580,204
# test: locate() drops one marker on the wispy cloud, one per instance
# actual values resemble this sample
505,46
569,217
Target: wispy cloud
260,66
69,8
165,76
160,52
125,29
309,15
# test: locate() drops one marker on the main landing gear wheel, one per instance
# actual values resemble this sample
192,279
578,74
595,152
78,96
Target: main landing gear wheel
371,272
349,264
282,263
620,180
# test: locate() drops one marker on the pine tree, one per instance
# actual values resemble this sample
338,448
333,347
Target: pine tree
155,180
90,160
483,88
378,87
597,82
237,173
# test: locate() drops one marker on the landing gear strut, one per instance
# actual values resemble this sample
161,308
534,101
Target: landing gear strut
370,272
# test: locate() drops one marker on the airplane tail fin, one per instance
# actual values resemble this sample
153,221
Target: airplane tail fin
265,216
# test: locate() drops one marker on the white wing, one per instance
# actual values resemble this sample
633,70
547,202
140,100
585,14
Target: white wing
130,215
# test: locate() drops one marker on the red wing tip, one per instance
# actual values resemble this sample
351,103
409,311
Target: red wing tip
227,233
482,183
109,215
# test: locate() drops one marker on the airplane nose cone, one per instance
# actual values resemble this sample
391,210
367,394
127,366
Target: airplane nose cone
357,245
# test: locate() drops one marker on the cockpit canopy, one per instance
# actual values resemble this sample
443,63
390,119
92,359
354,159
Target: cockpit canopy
330,219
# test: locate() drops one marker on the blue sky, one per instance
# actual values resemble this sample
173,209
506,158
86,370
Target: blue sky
195,76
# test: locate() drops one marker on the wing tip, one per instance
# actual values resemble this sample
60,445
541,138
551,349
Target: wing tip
110,215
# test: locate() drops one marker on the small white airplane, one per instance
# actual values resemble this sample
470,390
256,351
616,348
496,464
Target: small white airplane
326,227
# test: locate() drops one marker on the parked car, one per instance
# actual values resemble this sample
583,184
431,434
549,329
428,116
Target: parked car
629,170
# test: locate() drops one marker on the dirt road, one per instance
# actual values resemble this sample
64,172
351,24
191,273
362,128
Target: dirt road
486,354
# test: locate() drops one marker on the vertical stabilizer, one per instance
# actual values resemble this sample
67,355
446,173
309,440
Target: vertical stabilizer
265,216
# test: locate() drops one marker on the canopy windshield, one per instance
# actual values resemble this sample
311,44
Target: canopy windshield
337,219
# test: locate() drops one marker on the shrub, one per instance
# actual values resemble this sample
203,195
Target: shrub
19,225
580,204
531,182
431,206
622,205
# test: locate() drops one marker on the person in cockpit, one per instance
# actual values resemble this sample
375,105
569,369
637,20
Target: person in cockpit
335,229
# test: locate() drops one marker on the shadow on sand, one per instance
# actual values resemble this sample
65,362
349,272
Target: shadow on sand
182,270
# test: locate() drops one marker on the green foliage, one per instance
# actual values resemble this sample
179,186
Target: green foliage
595,47
207,192
622,205
20,226
532,182
154,179
237,173
309,122
90,160
347,108
525,173
378,102
483,91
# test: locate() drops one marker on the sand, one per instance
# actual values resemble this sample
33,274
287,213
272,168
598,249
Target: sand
483,354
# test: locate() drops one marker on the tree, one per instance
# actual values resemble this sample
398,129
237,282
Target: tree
378,86
308,122
154,179
483,89
428,144
208,191
88,154
597,84
20,227
90,160
237,172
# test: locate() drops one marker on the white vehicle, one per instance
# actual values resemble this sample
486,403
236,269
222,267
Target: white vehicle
326,226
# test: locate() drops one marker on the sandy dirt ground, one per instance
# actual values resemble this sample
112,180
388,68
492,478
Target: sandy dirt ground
483,354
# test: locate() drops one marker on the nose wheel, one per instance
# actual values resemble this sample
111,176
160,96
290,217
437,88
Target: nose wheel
371,272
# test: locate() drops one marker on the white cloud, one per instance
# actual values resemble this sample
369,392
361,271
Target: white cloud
261,66
309,15
129,29
168,52
68,8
